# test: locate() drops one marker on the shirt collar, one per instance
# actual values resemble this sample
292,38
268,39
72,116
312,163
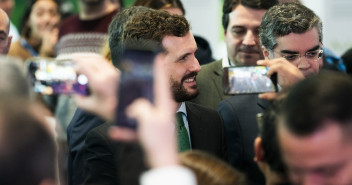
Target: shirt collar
182,108
226,62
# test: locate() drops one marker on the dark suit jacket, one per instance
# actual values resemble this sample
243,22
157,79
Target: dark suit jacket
108,162
209,82
207,131
104,158
81,123
239,114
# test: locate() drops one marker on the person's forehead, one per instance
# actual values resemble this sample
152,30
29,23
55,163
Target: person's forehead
244,15
176,45
323,148
299,42
173,10
330,133
47,4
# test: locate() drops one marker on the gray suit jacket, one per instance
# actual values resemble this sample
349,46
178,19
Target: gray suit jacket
209,81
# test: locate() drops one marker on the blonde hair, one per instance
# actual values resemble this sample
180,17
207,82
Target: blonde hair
105,52
210,170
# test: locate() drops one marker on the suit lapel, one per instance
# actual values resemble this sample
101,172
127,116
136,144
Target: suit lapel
196,129
217,78
262,103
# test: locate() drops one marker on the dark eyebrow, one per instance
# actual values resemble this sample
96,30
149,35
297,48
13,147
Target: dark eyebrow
183,56
186,54
237,26
288,52
314,48
295,52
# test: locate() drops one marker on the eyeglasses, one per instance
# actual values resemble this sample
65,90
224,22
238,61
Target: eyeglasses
310,55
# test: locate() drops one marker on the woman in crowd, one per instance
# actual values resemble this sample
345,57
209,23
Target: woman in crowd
39,30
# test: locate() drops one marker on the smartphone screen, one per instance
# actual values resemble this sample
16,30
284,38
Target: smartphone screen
136,82
49,76
248,80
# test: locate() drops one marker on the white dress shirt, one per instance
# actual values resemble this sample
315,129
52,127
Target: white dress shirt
170,175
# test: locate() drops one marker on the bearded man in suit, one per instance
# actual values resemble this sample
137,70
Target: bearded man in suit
204,126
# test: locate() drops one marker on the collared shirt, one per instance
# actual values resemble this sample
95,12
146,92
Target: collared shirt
171,175
226,62
182,109
14,33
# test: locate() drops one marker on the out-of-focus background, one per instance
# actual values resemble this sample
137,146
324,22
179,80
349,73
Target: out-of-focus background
205,18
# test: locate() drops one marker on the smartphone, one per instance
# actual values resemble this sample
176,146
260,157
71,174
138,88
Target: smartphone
248,80
50,76
137,76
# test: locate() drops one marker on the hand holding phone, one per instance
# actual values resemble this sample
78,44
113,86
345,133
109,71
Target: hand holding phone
137,76
154,122
287,73
103,81
248,80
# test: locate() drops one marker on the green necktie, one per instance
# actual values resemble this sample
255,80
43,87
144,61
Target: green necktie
182,134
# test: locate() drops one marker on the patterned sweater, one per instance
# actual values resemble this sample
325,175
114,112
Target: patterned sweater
83,36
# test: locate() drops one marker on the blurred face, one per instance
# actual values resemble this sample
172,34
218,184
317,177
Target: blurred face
293,47
182,66
44,17
322,158
7,6
241,35
173,11
5,40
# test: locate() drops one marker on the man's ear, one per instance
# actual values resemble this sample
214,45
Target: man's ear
265,53
258,150
9,39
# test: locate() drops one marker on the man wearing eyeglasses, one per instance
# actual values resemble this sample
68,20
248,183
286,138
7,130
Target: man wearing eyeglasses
298,39
291,40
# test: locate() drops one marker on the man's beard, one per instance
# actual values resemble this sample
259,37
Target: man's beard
180,94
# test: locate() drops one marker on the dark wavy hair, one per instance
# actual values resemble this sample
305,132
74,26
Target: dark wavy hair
311,102
286,18
155,25
229,5
159,4
116,29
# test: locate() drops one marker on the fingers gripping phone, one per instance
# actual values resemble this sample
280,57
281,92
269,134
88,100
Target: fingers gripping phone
248,80
49,76
137,76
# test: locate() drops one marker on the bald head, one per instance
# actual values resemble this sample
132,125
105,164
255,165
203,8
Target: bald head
5,39
4,19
